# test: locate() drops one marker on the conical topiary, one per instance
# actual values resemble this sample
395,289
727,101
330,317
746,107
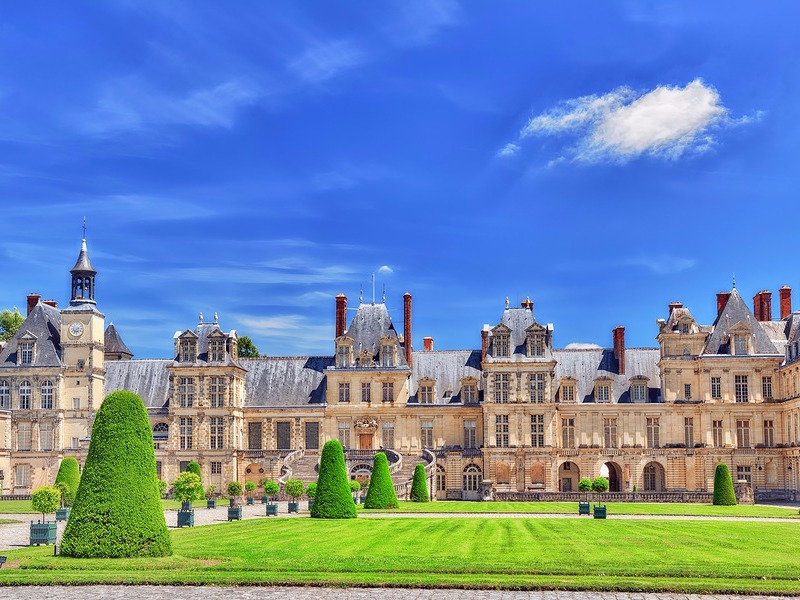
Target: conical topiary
381,487
419,486
333,499
117,511
67,479
723,486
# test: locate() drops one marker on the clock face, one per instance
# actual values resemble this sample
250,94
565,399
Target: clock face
76,329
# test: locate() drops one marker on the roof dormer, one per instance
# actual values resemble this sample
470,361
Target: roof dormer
186,347
501,341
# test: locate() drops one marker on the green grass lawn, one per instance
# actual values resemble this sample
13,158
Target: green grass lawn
629,554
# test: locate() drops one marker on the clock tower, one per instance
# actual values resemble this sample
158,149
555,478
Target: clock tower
82,329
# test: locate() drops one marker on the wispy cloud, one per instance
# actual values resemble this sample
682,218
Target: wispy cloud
295,331
420,20
662,264
262,274
385,269
665,122
509,149
323,61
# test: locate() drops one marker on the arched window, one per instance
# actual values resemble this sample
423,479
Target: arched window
472,478
654,477
441,480
5,394
25,394
47,395
160,430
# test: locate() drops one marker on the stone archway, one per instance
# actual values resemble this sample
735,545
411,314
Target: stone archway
568,476
613,472
653,479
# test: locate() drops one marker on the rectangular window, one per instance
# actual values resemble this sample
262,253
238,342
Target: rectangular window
501,387
387,430
183,465
216,350
284,435
22,476
743,473
688,432
76,442
536,387
716,433
342,356
344,392
25,395
568,433
387,355
344,433
158,469
716,387
47,395
601,393
426,394
653,432
769,433
536,345
470,433
23,436
26,353
537,431
741,389
76,404
426,433
766,387
5,395
216,394
501,430
610,432
188,352
312,435
687,391
218,433
501,346
254,430
186,433
740,345
366,392
186,392
469,393
743,433
45,436
568,393
216,467
638,392
387,391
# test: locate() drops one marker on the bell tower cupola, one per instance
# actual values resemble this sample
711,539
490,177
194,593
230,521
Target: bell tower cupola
83,277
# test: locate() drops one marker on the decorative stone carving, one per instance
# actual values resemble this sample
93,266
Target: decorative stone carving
744,493
366,424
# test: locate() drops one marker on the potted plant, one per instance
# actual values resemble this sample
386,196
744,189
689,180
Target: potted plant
234,491
355,487
250,486
271,490
62,513
210,501
265,496
295,489
187,487
600,485
311,491
45,499
584,486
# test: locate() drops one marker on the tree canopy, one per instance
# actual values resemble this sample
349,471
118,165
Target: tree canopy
10,320
247,348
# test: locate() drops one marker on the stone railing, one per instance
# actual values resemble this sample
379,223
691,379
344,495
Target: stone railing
290,458
699,497
395,460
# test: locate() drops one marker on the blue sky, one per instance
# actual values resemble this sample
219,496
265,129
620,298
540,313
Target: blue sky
255,159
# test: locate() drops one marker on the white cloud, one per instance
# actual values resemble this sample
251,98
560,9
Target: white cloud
326,60
420,20
385,269
662,264
665,122
508,150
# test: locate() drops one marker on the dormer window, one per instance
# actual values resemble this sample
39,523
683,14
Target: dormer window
568,390
469,391
683,326
602,391
740,345
188,350
216,350
26,353
501,345
387,354
426,391
536,345
638,392
343,355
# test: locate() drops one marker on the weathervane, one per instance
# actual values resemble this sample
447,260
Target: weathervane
734,281
84,227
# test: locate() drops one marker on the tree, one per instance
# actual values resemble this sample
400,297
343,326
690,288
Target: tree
10,320
46,499
271,489
419,485
333,499
381,487
294,488
117,511
67,479
187,487
234,489
250,486
585,484
723,486
194,467
311,490
247,348
600,484
355,486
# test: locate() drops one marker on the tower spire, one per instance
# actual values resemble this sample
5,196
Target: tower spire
83,276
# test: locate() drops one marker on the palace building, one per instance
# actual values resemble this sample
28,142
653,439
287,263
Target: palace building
513,418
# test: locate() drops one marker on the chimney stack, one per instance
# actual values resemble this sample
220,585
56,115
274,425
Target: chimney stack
484,342
407,326
786,301
619,347
762,305
722,300
33,300
673,305
427,342
341,314
52,303
528,303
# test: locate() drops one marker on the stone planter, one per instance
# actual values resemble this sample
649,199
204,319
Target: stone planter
294,507
186,518
62,514
234,513
272,510
211,504
43,533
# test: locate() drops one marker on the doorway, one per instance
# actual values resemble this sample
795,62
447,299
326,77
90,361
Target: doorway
365,441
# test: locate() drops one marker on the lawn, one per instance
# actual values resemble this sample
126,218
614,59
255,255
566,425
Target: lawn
630,554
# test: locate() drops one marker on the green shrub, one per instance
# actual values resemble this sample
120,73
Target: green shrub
162,487
271,488
234,489
355,486
723,486
67,479
419,485
194,467
117,511
311,490
381,488
46,499
250,487
294,488
585,485
333,499
187,487
210,491
600,484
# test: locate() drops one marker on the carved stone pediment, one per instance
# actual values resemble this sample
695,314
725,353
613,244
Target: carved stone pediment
366,424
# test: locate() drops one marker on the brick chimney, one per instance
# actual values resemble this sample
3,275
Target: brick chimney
786,301
722,300
51,302
673,305
484,343
619,347
427,341
762,305
33,300
341,314
407,326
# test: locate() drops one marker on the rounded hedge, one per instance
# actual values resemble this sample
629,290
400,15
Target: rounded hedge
419,485
600,484
117,511
234,488
723,486
67,479
311,490
381,487
585,484
333,499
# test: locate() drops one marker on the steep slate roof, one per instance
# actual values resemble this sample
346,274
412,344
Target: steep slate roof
518,320
737,311
147,377
83,264
447,368
370,323
113,342
285,381
203,331
44,322
777,333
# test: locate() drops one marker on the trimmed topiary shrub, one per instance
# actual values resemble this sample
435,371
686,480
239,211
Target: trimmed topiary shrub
271,489
294,488
600,484
723,486
355,486
234,489
381,487
311,490
419,485
67,480
117,511
585,485
46,499
250,487
333,499
187,487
